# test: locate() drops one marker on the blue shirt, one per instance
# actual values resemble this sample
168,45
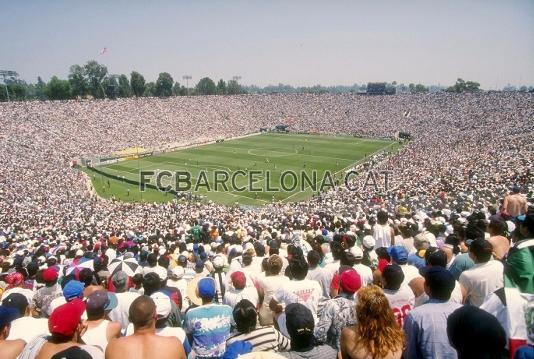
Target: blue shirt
426,331
416,261
209,326
461,263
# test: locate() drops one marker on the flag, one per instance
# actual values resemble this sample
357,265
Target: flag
407,113
103,51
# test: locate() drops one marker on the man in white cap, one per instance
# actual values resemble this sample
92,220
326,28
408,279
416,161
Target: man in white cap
366,274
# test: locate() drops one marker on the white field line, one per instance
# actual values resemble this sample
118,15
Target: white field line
341,170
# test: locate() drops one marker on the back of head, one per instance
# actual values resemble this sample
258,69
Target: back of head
151,283
245,316
298,269
393,276
152,259
475,333
377,328
382,217
436,258
142,311
86,276
481,249
440,283
313,258
275,264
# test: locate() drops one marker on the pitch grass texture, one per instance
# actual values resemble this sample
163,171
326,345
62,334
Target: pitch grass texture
266,152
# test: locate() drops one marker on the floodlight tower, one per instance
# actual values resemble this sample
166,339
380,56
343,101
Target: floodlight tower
236,78
187,78
10,74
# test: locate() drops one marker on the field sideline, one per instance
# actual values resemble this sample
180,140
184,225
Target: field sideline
273,153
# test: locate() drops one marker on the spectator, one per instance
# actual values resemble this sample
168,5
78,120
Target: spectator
208,326
262,339
300,326
425,326
377,334
141,344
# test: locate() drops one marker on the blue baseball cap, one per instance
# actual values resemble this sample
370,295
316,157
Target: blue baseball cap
73,289
398,254
206,288
7,315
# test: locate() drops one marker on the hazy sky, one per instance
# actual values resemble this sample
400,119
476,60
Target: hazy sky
268,42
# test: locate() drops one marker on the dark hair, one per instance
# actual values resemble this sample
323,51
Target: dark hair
137,279
247,259
474,333
298,268
482,249
86,277
152,259
151,283
347,259
313,258
163,261
454,241
436,258
393,277
245,316
337,250
382,217
259,248
382,253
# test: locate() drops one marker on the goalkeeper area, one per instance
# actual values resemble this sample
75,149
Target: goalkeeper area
259,169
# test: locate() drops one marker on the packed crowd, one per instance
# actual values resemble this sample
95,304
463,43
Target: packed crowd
440,265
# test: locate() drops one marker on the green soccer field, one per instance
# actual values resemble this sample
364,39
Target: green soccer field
262,161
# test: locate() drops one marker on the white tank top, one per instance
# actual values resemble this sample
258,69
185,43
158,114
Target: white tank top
97,336
382,235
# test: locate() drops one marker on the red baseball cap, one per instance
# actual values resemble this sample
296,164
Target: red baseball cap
50,274
239,280
65,318
350,281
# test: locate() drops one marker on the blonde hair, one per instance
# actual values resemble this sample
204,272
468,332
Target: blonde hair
377,330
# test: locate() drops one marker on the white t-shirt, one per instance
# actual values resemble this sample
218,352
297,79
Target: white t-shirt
27,328
366,274
481,280
234,296
401,302
410,272
306,292
382,235
120,312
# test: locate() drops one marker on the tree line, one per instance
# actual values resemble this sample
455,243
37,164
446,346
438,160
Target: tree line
93,80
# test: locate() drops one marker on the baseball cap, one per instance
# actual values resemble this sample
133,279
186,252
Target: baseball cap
239,280
100,301
73,289
368,242
393,276
350,281
7,315
50,274
206,288
163,304
356,252
65,319
398,254
299,320
17,301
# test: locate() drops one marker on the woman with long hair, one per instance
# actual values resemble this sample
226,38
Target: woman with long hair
377,334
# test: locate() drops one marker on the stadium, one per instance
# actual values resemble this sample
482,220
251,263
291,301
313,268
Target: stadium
223,217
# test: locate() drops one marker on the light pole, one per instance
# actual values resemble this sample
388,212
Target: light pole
187,78
236,78
8,73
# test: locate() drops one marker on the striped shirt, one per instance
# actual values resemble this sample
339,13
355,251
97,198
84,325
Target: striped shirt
263,339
